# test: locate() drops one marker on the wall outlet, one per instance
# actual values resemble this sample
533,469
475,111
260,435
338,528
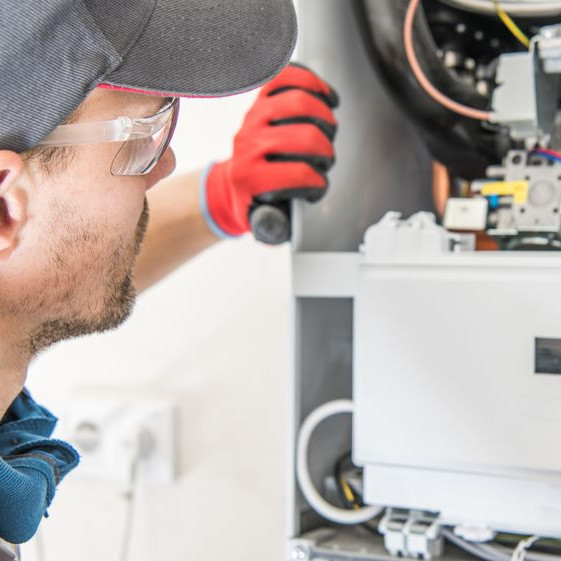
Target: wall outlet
106,430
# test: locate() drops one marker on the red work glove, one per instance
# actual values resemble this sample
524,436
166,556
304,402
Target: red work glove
283,150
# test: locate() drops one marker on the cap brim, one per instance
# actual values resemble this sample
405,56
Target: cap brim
208,48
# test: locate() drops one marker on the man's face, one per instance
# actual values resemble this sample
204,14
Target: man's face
71,272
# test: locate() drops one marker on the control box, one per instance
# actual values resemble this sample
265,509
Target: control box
457,378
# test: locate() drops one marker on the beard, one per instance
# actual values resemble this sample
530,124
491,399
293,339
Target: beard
119,295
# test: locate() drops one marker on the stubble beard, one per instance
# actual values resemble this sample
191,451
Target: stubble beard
118,302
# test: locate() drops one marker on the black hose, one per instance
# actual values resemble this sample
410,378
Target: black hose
460,143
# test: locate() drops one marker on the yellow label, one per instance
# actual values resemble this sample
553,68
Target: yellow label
518,190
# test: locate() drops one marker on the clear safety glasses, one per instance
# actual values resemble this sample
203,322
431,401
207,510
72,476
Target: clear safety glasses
144,139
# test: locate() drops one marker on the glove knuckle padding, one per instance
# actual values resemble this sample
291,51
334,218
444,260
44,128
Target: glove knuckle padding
281,176
314,141
307,176
295,175
298,103
301,138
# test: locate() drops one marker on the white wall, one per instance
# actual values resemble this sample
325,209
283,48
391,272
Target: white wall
215,336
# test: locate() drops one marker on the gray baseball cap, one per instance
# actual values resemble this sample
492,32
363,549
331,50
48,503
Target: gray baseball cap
54,52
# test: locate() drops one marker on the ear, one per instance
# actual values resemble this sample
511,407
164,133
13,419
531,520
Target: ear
13,202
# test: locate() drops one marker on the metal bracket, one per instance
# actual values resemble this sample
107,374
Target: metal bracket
298,550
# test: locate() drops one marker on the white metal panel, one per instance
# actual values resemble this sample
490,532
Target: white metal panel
509,504
445,384
327,275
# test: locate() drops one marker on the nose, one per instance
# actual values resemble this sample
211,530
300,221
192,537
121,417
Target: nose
163,169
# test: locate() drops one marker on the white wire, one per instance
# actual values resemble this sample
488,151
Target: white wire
512,7
492,552
141,442
316,501
130,498
477,549
519,553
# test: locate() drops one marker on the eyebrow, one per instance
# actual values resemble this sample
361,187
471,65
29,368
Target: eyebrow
165,101
150,112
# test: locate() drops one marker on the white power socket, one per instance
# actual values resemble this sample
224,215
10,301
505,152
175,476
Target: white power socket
106,431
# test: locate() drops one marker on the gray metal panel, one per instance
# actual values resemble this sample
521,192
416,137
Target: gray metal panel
382,163
354,544
323,360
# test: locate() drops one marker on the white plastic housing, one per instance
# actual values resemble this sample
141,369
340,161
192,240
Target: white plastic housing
105,430
452,414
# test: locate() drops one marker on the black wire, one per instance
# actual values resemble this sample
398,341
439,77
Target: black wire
544,548
357,494
344,460
337,473
537,546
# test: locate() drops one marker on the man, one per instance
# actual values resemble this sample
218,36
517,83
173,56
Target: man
88,106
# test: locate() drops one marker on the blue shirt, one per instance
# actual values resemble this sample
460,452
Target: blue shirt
31,466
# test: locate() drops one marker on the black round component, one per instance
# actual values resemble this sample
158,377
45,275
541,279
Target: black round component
270,224
458,52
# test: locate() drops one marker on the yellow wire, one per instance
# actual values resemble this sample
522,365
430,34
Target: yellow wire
349,495
512,27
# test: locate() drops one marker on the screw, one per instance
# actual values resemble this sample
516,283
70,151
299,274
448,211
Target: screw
299,553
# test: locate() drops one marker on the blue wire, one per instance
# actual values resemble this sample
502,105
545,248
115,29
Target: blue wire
547,156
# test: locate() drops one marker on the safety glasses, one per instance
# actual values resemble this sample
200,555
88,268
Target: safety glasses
144,139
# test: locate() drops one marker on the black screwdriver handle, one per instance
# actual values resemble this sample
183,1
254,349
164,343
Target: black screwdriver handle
270,223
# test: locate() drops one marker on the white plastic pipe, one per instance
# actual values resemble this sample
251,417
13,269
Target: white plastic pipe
316,501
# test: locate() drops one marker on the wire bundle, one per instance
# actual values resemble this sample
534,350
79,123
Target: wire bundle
548,154
315,500
424,82
356,513
497,552
519,553
438,96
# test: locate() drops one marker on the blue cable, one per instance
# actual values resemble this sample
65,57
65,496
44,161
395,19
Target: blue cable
547,156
